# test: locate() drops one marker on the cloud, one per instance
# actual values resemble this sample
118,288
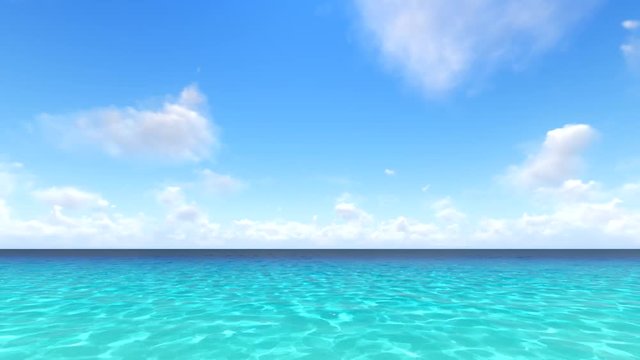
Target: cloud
58,230
178,130
569,224
576,214
572,190
445,211
179,210
389,172
631,50
185,225
170,196
557,160
437,44
425,188
216,183
605,224
273,231
631,24
70,198
631,47
351,213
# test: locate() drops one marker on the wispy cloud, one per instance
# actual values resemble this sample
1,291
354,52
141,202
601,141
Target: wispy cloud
389,172
217,183
179,129
437,44
631,24
70,198
631,47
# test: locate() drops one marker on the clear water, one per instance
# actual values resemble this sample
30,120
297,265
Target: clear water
319,307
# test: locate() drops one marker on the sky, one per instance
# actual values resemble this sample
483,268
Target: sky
320,124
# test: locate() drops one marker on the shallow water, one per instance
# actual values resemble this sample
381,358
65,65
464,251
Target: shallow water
319,307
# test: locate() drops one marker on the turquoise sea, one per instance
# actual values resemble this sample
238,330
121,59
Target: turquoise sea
320,305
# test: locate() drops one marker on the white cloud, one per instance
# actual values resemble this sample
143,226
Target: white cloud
631,24
220,183
405,232
446,211
273,231
631,51
177,130
58,230
577,214
185,225
70,198
171,196
389,172
436,44
569,224
394,233
572,190
557,160
631,47
351,213
179,210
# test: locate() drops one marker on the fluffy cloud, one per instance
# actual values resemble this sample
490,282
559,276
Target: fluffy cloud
185,225
389,172
569,224
177,130
557,160
58,230
70,198
631,47
179,210
575,213
436,44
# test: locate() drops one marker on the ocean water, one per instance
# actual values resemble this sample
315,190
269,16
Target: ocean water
320,305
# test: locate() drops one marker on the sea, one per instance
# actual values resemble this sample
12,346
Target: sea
319,304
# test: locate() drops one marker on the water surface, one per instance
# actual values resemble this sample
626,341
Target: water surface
320,305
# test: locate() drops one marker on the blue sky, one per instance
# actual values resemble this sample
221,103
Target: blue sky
320,124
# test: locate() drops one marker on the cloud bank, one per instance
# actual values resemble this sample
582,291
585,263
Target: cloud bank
576,213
